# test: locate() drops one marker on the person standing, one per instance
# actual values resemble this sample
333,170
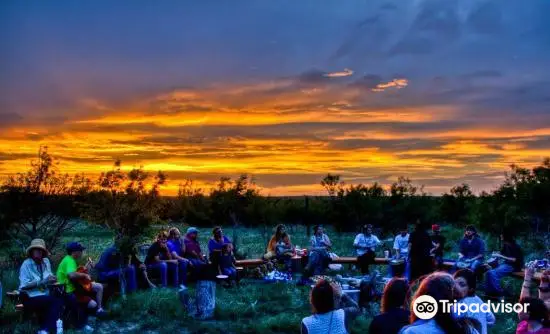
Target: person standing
420,245
35,275
365,244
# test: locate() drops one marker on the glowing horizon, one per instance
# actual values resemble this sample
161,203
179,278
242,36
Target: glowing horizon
441,92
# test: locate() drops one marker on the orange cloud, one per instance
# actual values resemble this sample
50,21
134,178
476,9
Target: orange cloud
294,133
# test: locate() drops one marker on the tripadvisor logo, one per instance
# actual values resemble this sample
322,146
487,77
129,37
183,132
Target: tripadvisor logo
425,307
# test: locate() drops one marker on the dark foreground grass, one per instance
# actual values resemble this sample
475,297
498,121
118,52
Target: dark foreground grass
250,308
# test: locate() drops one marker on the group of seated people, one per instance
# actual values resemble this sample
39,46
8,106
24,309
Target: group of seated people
333,310
171,259
70,294
422,253
419,252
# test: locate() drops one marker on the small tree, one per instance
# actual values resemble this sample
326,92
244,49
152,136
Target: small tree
456,206
332,184
126,202
40,202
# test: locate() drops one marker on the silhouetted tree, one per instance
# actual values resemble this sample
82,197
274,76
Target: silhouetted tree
40,203
126,202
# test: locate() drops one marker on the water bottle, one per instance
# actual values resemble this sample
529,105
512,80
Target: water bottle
59,324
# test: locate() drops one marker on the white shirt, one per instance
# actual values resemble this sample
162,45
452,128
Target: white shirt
401,243
484,318
31,272
332,322
369,242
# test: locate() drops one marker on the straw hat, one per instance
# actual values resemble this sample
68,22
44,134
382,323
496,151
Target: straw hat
39,244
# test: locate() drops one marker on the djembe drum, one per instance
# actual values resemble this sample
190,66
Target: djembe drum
56,289
397,267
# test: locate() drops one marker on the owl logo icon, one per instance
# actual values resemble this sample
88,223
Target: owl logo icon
425,307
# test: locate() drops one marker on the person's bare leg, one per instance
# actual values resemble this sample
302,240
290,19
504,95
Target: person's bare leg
98,289
151,285
92,304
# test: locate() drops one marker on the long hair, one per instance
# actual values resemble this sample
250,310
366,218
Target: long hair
322,297
172,232
508,236
439,285
537,310
278,232
470,278
394,295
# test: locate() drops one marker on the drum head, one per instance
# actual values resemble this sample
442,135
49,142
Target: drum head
222,277
397,262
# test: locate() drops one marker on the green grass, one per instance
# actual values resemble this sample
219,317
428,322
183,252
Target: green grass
251,308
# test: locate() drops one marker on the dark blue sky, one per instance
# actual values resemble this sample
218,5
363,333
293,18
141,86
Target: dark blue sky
488,60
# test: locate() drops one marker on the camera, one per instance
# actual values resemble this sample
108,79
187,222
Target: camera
425,307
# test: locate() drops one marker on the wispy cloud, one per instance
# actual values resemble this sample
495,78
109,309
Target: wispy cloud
345,73
395,83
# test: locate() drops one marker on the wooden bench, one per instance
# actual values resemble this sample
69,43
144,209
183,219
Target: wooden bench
378,260
15,297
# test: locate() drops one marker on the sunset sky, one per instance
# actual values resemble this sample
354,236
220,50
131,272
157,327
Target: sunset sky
443,92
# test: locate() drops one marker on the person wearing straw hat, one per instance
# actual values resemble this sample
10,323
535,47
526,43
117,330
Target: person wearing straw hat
35,275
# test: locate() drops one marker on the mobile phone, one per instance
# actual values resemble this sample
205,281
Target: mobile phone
541,264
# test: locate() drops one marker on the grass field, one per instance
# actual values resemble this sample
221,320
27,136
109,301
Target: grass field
250,308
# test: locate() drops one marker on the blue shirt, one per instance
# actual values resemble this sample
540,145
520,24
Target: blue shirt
175,246
226,261
472,249
214,245
112,259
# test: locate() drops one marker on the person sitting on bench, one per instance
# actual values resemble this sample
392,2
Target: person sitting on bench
365,244
319,257
159,260
215,244
78,285
119,266
472,249
285,251
226,263
177,250
510,259
35,275
271,251
193,250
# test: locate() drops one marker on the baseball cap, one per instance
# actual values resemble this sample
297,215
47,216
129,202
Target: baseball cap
192,230
74,247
